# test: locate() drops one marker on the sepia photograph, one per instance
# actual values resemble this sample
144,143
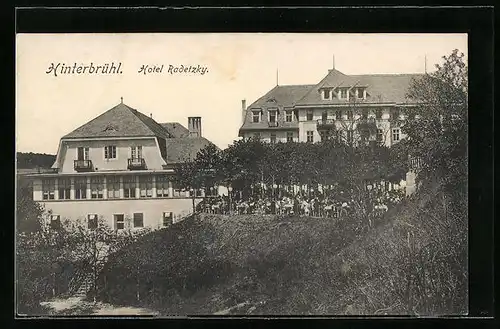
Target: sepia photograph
241,174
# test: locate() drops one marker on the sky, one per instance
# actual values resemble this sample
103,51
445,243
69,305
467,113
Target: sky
239,66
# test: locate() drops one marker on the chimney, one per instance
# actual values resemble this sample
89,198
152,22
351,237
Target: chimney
243,110
194,126
333,62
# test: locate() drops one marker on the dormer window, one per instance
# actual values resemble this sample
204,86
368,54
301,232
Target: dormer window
255,116
343,93
360,93
326,94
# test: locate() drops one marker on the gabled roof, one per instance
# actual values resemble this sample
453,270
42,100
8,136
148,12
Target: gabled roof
175,129
380,88
184,149
282,96
120,121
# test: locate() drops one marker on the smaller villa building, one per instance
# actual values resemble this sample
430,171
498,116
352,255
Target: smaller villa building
119,166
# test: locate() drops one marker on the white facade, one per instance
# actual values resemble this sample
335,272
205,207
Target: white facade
388,133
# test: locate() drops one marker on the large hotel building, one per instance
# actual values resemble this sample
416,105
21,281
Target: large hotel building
354,108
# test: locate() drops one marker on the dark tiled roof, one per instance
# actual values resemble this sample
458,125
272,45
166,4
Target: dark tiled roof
380,88
120,121
183,149
175,129
281,98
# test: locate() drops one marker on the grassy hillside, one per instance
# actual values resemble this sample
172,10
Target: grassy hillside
252,264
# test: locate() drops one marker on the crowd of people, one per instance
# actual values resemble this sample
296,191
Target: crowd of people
315,204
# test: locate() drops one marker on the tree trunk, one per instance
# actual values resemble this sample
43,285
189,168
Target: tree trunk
194,206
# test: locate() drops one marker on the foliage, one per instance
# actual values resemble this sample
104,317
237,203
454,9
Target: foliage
34,160
52,260
28,212
439,135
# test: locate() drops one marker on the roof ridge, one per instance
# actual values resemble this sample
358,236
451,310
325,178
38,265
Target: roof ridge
320,83
141,116
92,120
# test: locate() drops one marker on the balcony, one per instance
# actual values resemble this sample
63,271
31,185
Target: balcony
325,123
273,124
136,164
83,165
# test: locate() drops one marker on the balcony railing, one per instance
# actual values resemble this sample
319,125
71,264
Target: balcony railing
83,165
273,124
136,163
325,123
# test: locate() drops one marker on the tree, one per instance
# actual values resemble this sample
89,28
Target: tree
204,171
90,243
28,212
438,132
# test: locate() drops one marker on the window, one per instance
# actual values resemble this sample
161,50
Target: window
162,186
96,187
55,222
309,115
119,221
129,185
167,218
350,136
289,137
395,134
92,221
136,152
256,116
380,135
273,138
323,135
364,114
138,219
49,189
338,114
146,186
343,93
110,152
310,136
395,114
326,94
378,114
272,115
324,116
288,116
256,136
350,115
81,188
82,153
360,93
113,185
64,186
